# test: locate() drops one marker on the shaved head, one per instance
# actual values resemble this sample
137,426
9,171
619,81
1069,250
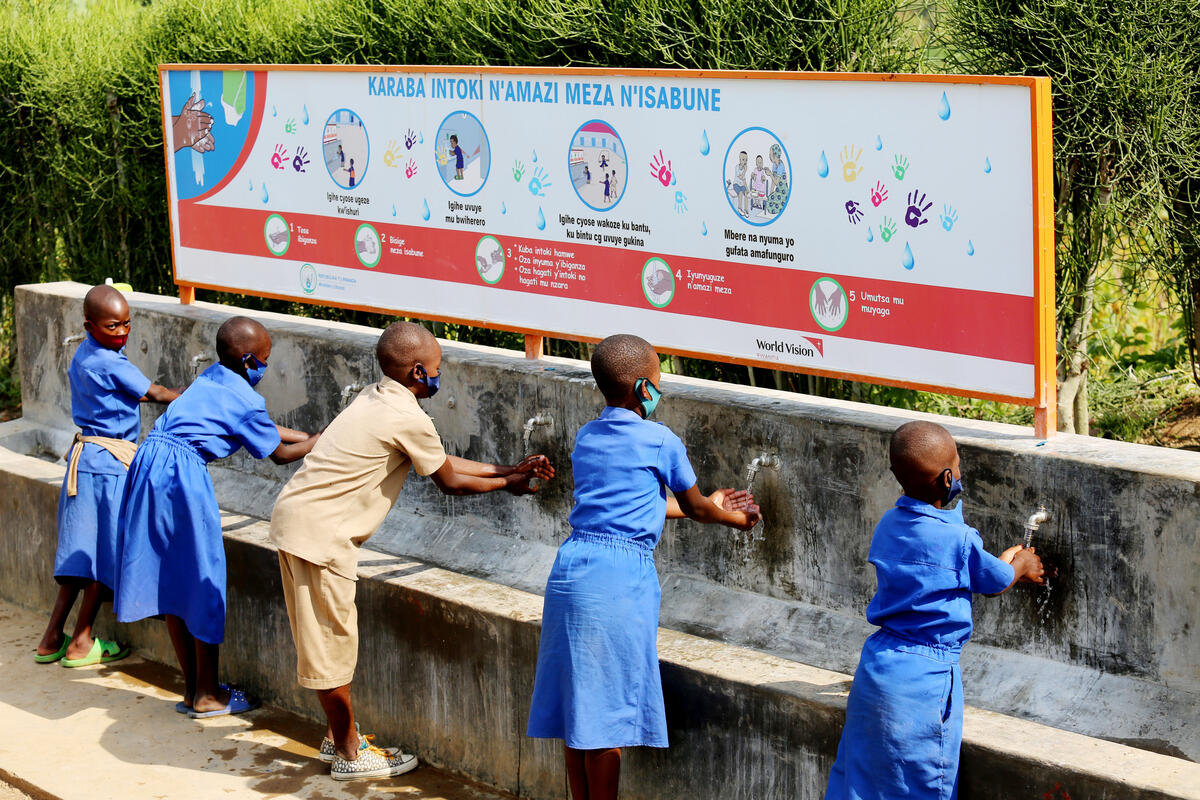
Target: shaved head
619,361
238,336
104,300
920,452
402,346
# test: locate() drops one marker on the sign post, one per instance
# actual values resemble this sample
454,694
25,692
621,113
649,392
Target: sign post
894,229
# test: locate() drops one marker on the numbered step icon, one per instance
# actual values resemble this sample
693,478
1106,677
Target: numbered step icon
367,245
828,303
658,284
277,234
489,259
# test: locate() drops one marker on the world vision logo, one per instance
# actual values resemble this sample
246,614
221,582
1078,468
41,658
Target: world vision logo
808,347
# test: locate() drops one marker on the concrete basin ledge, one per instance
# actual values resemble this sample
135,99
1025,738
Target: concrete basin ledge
447,662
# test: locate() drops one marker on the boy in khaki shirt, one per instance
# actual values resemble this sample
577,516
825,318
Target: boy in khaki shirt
337,500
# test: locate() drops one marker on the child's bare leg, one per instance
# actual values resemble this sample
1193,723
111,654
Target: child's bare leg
603,773
185,651
89,607
339,713
52,639
209,694
576,773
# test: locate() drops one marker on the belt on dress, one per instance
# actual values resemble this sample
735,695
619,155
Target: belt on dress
122,450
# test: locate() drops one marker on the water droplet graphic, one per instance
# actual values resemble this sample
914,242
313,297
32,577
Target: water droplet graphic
393,209
908,262
823,166
970,248
704,148
305,114
878,142
870,235
987,166
535,156
252,185
266,197
541,223
703,229
944,108
420,138
274,113
503,208
674,178
425,210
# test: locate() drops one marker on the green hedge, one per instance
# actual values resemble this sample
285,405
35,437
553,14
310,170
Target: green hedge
81,164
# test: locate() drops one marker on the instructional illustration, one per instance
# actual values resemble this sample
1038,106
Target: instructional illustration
599,165
463,155
346,148
757,176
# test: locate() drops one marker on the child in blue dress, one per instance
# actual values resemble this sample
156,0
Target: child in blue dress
171,554
598,686
106,392
904,716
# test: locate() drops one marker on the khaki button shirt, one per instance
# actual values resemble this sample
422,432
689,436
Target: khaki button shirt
351,479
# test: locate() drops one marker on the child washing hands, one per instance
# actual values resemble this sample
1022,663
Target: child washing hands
598,686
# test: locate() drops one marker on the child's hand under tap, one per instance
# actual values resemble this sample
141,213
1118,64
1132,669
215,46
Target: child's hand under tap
1027,564
527,469
733,499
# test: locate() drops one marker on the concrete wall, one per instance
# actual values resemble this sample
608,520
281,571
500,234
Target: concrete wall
1110,651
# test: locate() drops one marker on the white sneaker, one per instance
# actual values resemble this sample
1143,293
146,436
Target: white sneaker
372,762
328,752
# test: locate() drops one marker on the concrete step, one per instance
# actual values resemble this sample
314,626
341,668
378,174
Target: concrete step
111,731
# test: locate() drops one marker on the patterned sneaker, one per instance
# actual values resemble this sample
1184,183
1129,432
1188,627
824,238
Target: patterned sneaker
372,762
328,752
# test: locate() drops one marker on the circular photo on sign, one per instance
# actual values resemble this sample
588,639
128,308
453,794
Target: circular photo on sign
598,165
828,303
489,259
277,234
462,153
346,148
308,279
757,176
658,284
367,245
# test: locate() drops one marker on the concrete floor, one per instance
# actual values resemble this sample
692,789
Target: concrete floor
111,731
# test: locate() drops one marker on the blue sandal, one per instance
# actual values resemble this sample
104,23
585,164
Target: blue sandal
239,703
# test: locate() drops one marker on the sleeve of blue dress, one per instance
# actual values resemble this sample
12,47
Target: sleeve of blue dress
987,574
258,433
673,465
129,379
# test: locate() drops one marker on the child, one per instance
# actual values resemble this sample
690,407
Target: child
598,686
334,503
607,187
352,173
171,554
457,152
105,393
739,185
904,716
341,157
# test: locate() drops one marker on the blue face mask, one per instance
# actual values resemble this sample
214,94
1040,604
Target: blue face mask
648,406
955,489
431,382
255,369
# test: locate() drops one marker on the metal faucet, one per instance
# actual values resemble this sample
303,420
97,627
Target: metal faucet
78,337
1034,521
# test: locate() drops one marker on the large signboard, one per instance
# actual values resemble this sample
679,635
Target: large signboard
887,228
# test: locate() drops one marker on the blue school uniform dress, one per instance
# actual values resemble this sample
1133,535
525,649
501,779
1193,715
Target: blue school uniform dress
105,393
904,716
598,682
172,557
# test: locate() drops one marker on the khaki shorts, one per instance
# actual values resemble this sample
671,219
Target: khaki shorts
324,619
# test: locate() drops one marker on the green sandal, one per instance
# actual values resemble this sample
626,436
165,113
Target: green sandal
50,658
102,652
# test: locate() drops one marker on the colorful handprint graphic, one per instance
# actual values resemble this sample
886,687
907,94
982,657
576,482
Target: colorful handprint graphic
300,160
660,169
393,154
850,165
518,171
279,157
949,217
289,127
878,194
680,202
410,168
538,182
915,215
853,212
900,167
410,138
887,229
